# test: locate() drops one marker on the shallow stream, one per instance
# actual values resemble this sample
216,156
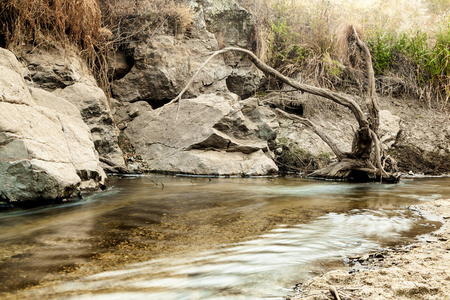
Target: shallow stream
163,237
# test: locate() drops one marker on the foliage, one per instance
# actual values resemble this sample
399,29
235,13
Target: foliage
429,56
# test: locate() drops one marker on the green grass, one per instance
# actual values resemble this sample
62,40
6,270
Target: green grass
430,56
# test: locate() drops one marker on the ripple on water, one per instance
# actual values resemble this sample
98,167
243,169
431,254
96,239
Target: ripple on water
204,220
249,268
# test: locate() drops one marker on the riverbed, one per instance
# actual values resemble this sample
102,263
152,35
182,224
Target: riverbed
168,237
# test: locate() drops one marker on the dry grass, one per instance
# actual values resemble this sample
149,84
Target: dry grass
62,24
128,19
42,21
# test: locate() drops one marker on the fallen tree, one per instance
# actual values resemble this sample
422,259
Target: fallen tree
365,161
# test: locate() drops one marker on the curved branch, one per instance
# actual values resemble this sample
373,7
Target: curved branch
371,100
339,154
333,96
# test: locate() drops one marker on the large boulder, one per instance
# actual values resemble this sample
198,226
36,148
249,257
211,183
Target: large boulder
93,105
213,134
46,150
68,77
163,62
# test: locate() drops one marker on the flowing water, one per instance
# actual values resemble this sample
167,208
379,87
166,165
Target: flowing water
162,237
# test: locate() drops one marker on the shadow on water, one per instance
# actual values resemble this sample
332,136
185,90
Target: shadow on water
202,238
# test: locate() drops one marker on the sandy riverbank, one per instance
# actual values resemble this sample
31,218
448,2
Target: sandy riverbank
418,271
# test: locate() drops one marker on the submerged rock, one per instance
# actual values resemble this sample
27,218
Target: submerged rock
46,150
212,134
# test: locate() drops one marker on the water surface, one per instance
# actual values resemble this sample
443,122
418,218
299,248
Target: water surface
162,237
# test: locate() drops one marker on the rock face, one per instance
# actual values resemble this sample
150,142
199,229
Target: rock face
46,150
164,62
68,77
94,108
214,134
234,26
52,69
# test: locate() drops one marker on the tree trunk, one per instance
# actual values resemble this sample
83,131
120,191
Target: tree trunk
363,163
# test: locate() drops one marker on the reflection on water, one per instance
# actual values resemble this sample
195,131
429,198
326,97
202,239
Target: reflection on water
201,238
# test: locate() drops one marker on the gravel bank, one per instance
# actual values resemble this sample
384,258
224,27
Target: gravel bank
418,271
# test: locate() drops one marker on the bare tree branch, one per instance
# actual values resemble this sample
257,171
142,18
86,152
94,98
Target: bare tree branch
366,137
333,96
371,100
378,154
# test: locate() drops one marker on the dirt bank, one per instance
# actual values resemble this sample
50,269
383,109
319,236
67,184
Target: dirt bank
418,271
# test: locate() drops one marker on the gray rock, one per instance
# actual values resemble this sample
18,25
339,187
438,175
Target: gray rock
46,150
65,74
95,111
128,111
234,26
389,128
164,63
244,80
13,89
211,134
233,23
53,69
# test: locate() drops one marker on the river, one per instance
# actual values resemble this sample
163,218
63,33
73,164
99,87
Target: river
168,237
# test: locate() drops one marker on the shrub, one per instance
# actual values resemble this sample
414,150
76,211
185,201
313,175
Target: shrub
428,61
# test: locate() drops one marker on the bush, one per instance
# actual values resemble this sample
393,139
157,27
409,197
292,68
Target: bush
428,61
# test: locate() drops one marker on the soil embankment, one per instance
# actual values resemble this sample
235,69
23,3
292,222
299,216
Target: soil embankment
418,271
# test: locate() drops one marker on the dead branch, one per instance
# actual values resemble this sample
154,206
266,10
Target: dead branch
334,293
378,154
333,96
371,100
